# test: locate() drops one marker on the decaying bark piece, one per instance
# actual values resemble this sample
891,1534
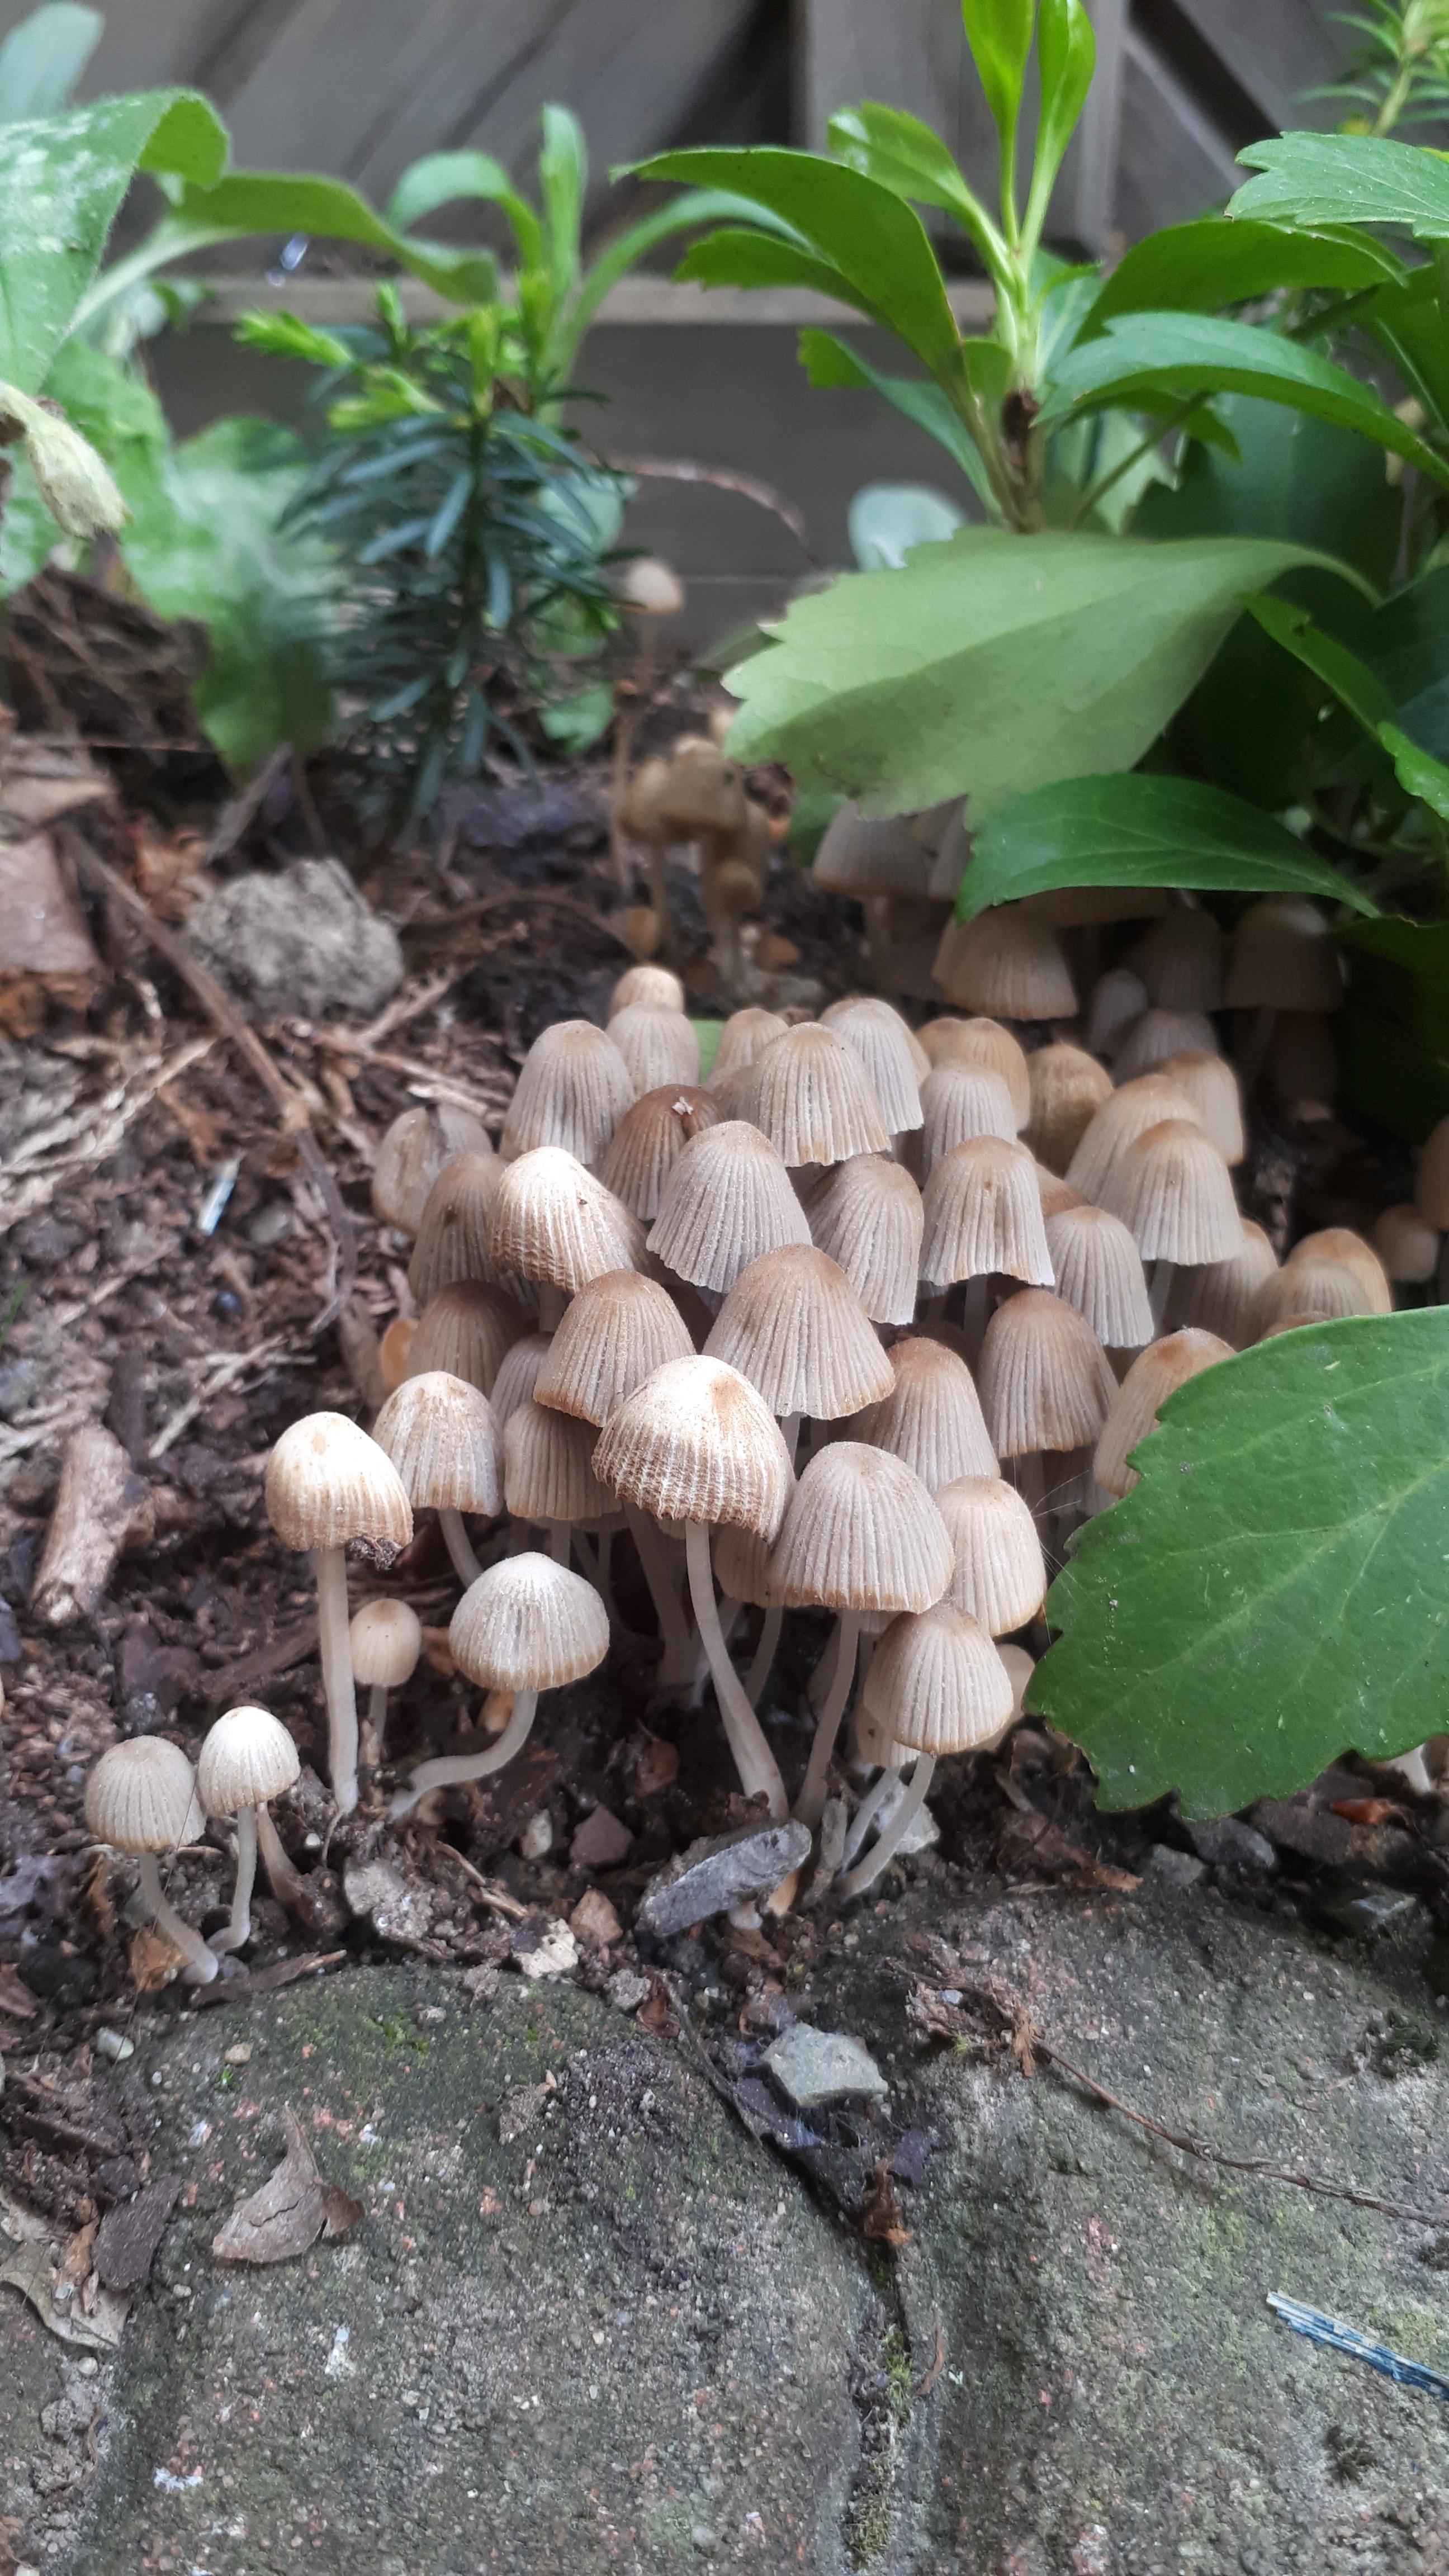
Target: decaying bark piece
102,1508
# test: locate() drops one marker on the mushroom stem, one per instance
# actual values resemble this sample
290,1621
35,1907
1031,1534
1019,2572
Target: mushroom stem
976,1314
376,1728
759,1772
452,1767
759,1672
202,1963
337,1683
810,1805
857,1880
677,1668
239,1926
817,1689
790,1433
288,1884
865,1815
459,1546
1161,1290
558,1542
1254,1053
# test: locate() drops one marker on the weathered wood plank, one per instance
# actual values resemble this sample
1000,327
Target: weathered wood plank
1276,53
1173,163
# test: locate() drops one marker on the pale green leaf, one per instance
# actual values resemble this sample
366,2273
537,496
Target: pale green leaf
42,59
1142,828
999,35
1200,267
1418,772
1067,56
1352,682
736,257
276,201
828,362
887,521
1347,179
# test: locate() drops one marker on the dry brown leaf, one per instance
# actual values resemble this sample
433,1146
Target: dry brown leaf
15,1996
291,2210
880,2217
155,1961
1029,1841
28,2268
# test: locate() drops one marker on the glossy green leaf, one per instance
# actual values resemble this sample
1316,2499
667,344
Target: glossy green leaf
897,149
447,179
999,35
1274,1590
1141,828
1066,57
994,664
42,59
1200,267
1407,320
735,257
1418,772
563,179
1347,179
1351,681
278,201
1406,643
829,362
1294,477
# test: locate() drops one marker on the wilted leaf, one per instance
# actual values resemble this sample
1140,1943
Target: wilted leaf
15,1995
155,1961
28,2268
292,2209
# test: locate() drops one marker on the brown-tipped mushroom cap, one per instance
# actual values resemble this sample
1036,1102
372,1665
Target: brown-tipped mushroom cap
141,1796
725,1200
573,1088
1406,1243
528,1624
1159,1035
548,1472
386,1638
861,1533
1317,1288
413,1152
999,1574
441,1436
1283,958
794,1326
867,1215
617,1331
959,1101
745,1035
1099,1271
1151,1379
1117,1000
1340,1243
394,1350
452,1239
467,1330
1431,1180
1067,1086
648,1141
1174,1193
860,854
1119,1122
1007,963
937,1683
932,1417
852,1005
983,1214
1180,960
658,1047
1045,1380
700,791
879,1036
1056,1193
811,1095
696,1442
518,1374
1212,1086
555,1222
247,1758
1223,1296
648,988
742,1563
328,1485
991,1049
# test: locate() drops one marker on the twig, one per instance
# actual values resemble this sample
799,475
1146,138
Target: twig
265,1981
407,1005
219,1371
685,469
292,1647
493,1896
333,1042
477,906
235,817
934,2367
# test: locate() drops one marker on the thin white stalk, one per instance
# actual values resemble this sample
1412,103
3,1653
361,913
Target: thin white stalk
976,1314
337,1681
288,1884
558,1541
759,1771
374,1731
790,1433
202,1963
764,1656
452,1767
865,1816
239,1924
810,1805
677,1669
817,1689
460,1549
730,1615
857,1880
1163,1273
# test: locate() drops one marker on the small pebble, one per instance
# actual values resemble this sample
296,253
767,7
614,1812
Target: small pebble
270,1224
111,2044
536,1839
240,2055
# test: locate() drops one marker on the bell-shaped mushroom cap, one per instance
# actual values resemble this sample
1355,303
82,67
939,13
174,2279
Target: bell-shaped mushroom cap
394,1350
885,1016
616,1332
959,1101
1119,1122
554,1221
1099,1271
932,1417
937,1682
1000,1573
657,1046
742,1564
696,1442
861,854
700,790
1117,1000
1152,1378
725,1200
648,988
1056,1193
1159,1035
467,1330
1431,1180
1283,958
1006,962
1223,1296
1174,1193
867,1215
328,1485
518,1374
141,1796
649,1140
442,1438
1180,960
1317,1289
1340,1243
573,1088
247,1758
1067,1085
1212,1086
528,1624
548,1472
648,586
811,1095
991,1049
412,1154
1094,907
794,1326
861,1533
1045,1380
1407,1245
452,1240
889,1053
745,1035
983,1214
385,1639
1019,1667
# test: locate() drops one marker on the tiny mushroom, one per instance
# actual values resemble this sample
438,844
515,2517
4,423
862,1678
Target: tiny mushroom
141,1798
527,1625
386,1639
327,1487
248,1757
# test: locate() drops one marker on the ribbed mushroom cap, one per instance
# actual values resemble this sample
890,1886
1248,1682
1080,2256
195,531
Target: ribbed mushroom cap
861,855
991,1049
725,1200
1406,1243
1319,1289
1006,962
1340,1243
1180,960
959,1101
413,1152
247,1758
467,1330
528,1624
742,1564
861,1533
648,988
548,1472
811,1095
1283,958
657,1046
452,1239
1119,1122
983,1214
616,1332
1174,1193
932,1417
937,1683
1067,1085
573,1088
1099,1271
887,1050
867,1215
1223,1296
696,1442
794,1326
885,1015
1159,1035
1212,1086
1118,999
1045,1381
518,1374
649,1140
554,1221
1431,1180
1152,1378
385,1639
1056,1193
328,1485
1294,1323
745,1035
141,1796
1000,1573
1019,1667
441,1436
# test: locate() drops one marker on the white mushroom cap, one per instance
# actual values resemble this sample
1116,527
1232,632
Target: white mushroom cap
386,1639
247,1758
528,1624
141,1796
327,1484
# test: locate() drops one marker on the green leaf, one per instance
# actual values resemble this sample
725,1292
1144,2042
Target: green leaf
1141,829
444,178
1347,179
1393,1036
735,257
1157,353
887,521
1406,643
279,201
1067,56
709,1033
1408,321
42,59
1273,1591
828,361
625,251
563,178
286,335
1295,477
575,723
999,35
1351,681
1069,652
1199,267
1418,772
895,148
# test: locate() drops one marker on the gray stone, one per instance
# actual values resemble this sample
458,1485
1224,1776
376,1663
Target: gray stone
297,945
20,1384
814,2066
1173,1868
922,1833
627,1990
1227,1843
712,1876
1367,1911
